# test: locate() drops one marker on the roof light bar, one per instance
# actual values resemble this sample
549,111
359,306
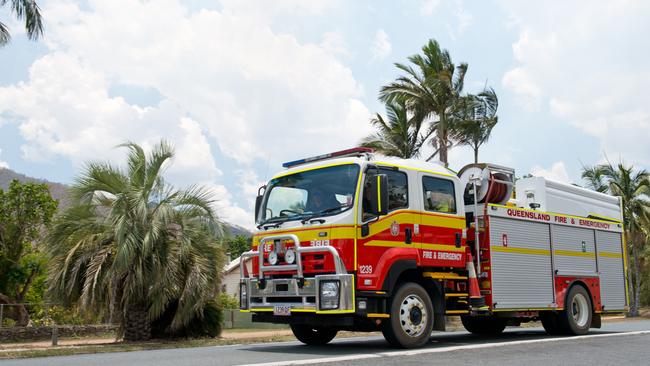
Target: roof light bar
357,151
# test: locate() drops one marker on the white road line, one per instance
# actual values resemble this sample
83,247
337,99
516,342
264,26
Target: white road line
440,349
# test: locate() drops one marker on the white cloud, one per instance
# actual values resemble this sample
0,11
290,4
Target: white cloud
556,172
428,7
226,80
580,64
381,47
3,164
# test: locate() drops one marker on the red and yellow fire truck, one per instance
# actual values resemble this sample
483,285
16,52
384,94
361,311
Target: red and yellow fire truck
356,241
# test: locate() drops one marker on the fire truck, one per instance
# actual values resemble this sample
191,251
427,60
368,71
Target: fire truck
356,241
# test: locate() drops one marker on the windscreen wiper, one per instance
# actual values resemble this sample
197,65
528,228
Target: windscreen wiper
324,212
274,222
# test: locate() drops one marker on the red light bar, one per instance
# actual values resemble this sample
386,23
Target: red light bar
356,151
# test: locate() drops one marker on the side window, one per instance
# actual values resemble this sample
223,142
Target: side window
397,190
439,195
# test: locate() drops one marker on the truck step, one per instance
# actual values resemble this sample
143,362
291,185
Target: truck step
444,276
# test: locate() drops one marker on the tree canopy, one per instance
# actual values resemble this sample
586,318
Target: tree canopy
28,11
25,210
134,247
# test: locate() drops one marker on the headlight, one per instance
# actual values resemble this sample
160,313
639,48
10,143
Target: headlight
273,258
329,294
290,256
243,296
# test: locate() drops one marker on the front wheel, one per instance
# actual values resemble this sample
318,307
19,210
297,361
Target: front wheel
411,317
313,336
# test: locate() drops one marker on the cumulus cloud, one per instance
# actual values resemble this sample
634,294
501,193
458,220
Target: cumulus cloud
228,84
556,172
580,65
381,47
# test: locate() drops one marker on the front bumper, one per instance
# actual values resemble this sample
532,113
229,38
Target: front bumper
288,292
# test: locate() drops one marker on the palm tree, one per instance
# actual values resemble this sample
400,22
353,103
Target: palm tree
431,88
475,118
633,187
400,135
27,9
132,247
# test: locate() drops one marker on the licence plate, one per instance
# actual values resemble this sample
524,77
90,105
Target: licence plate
282,310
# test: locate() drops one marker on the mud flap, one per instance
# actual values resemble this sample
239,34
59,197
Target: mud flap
596,321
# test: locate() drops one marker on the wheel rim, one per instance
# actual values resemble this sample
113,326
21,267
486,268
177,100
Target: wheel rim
413,316
580,310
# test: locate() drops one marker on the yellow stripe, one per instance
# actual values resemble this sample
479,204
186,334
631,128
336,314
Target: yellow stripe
399,244
411,217
377,315
502,249
457,312
610,255
573,253
450,221
456,295
379,193
289,172
356,218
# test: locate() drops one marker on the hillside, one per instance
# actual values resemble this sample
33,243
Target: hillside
59,192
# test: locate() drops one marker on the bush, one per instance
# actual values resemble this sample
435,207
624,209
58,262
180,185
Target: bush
228,301
208,325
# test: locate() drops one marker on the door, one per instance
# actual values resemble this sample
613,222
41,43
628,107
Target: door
441,224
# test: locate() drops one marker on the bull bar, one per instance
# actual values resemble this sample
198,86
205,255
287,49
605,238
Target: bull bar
298,293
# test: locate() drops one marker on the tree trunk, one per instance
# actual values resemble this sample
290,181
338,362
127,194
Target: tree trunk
137,326
17,313
476,155
636,279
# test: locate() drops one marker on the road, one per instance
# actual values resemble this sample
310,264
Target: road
617,343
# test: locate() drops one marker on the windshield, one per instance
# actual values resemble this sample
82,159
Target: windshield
325,191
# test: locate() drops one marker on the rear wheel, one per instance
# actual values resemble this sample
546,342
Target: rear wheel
577,314
313,336
488,325
411,317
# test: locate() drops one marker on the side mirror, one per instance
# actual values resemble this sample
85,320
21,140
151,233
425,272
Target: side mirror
258,201
378,195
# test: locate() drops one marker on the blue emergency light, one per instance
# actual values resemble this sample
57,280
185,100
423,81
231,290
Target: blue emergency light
357,151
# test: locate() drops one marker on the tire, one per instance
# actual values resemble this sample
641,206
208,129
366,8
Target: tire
550,323
578,312
313,336
411,317
489,326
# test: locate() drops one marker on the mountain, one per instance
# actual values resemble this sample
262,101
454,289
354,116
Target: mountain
59,192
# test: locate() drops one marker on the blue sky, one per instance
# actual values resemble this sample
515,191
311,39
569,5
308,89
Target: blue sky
241,86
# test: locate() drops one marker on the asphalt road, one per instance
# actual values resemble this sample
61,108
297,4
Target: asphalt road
617,343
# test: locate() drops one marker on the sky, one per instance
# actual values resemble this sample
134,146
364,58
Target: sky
241,86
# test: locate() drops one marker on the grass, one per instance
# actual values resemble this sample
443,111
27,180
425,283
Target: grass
135,346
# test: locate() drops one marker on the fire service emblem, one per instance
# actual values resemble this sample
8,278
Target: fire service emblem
394,228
